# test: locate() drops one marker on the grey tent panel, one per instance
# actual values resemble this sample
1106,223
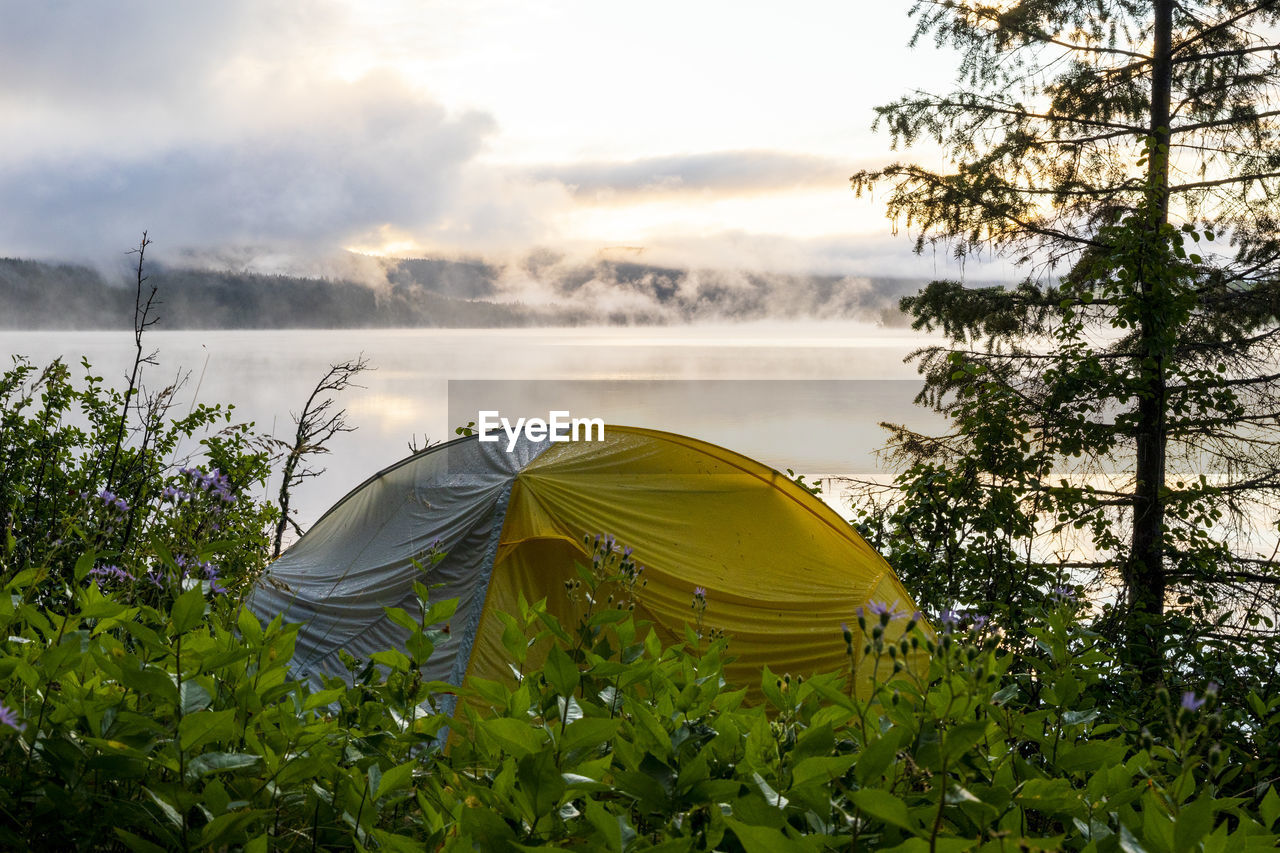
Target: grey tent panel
359,557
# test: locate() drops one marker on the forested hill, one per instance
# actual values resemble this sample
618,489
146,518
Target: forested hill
437,293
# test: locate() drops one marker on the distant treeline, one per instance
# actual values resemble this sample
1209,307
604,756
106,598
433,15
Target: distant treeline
435,293
38,295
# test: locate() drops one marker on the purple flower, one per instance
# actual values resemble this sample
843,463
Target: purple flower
950,618
1063,594
886,612
211,575
173,493
1190,702
700,591
110,498
112,572
626,552
10,719
156,578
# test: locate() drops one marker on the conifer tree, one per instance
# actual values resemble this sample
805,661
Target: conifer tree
1127,387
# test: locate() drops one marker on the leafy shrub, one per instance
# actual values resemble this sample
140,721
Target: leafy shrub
91,468
179,727
143,708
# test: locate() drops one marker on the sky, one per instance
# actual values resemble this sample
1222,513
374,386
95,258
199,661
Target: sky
270,134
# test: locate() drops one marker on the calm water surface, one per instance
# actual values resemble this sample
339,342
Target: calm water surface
807,396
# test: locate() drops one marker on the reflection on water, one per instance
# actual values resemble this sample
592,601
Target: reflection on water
268,375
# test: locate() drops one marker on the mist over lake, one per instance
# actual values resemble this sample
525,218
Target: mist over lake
801,395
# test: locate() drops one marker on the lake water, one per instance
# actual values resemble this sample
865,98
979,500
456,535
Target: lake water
807,396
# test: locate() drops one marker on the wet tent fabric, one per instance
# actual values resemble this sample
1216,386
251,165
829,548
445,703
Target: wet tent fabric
781,570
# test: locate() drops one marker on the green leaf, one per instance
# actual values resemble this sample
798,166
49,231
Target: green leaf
150,681
393,659
653,644
823,769
589,732
515,736
876,758
561,672
204,726
439,611
27,577
229,829
401,618
941,845
169,812
771,796
1129,843
1269,808
1075,718
1194,822
540,785
84,564
394,779
323,697
488,831
882,806
1052,796
188,610
606,824
217,762
250,627
1091,756
763,839
193,697
395,842
419,647
137,843
960,739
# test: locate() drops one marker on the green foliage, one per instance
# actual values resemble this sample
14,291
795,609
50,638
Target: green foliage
143,708
60,497
180,727
1114,417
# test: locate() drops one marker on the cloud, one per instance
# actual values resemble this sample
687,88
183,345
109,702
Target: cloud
233,134
372,155
213,126
718,172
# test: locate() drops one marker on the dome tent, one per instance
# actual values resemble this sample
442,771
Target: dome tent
780,568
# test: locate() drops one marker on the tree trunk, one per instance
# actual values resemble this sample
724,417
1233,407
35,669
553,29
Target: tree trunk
1144,572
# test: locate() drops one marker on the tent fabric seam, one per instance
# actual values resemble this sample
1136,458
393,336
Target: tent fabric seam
479,603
